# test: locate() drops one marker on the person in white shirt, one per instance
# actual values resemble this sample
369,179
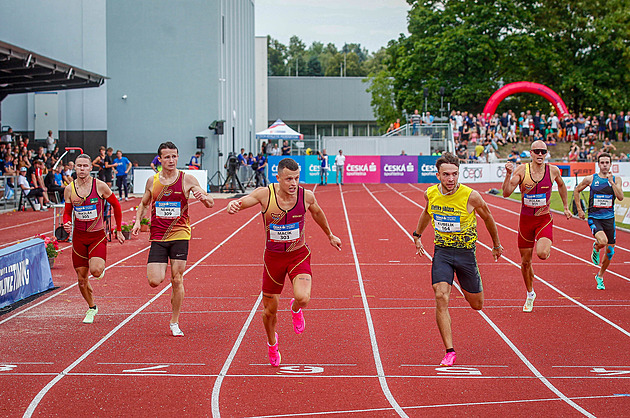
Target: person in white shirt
340,162
31,192
50,142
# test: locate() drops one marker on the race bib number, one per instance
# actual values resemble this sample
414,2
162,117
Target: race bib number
603,201
284,233
85,213
446,223
168,210
535,200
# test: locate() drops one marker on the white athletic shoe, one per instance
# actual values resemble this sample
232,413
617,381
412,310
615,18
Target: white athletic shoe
529,304
176,331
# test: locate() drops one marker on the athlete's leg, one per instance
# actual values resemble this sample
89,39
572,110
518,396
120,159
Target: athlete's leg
601,240
526,267
156,272
543,248
270,319
442,295
301,291
475,300
177,292
97,266
606,260
84,285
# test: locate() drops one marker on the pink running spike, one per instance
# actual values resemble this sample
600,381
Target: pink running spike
274,354
449,359
298,319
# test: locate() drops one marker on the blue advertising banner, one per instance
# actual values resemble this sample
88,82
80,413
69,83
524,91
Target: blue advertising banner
312,169
272,165
427,169
24,271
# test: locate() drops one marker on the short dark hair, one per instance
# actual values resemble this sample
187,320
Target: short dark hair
288,163
83,156
167,145
447,158
604,154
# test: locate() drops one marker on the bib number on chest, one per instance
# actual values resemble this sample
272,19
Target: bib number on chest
446,223
602,201
535,200
85,213
284,233
168,210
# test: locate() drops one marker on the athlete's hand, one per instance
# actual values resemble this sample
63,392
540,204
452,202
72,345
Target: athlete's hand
419,248
610,179
120,237
68,227
136,228
204,198
233,207
335,242
568,213
497,252
509,168
581,214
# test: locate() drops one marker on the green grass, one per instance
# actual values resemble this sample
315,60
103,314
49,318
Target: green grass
556,202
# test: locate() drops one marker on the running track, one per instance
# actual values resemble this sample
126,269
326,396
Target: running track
371,345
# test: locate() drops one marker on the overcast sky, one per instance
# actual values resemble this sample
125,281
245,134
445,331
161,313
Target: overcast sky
372,23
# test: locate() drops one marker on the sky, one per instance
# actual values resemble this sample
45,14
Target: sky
372,23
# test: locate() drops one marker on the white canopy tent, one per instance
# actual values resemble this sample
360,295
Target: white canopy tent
279,131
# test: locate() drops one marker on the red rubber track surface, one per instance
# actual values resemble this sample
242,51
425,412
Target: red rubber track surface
569,357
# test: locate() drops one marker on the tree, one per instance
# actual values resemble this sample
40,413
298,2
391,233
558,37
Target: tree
315,67
276,61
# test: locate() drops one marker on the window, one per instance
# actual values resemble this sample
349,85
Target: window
308,130
341,130
324,130
359,130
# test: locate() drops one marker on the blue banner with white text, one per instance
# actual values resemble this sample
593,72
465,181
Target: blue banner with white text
24,271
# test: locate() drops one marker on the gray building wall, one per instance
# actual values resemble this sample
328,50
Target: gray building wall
70,31
314,99
181,66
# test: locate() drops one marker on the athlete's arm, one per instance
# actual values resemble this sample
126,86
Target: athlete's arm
96,161
476,202
616,185
562,189
586,182
144,203
423,222
191,184
320,218
511,181
105,192
67,213
258,196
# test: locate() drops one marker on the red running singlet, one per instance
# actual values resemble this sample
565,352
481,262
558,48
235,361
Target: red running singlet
535,195
88,211
284,228
169,210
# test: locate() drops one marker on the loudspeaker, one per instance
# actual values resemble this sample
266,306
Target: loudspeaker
426,92
201,142
441,91
218,129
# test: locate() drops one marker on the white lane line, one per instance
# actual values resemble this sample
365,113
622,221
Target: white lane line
586,308
106,268
216,389
375,351
31,408
504,337
357,411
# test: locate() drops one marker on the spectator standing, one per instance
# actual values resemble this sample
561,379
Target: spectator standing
8,136
242,165
156,164
323,168
261,167
601,125
340,163
50,142
123,167
275,150
415,123
621,126
286,148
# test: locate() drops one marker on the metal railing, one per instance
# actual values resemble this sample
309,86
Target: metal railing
441,135
9,196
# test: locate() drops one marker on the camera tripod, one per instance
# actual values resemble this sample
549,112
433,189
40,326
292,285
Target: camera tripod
231,182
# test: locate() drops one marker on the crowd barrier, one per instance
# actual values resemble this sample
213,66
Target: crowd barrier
414,169
24,271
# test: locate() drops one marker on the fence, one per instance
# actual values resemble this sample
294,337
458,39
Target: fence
8,196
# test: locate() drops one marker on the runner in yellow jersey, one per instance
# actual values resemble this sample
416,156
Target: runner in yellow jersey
451,208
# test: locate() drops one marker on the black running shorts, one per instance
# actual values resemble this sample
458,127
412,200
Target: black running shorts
448,261
161,251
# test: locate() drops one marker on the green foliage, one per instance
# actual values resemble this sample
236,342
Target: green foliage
578,48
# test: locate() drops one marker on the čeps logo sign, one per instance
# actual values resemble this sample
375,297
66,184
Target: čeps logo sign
471,173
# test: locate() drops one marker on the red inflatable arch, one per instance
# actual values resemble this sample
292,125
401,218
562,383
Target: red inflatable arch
525,87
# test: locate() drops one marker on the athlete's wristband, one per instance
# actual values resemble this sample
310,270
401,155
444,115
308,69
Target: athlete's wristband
415,234
497,247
